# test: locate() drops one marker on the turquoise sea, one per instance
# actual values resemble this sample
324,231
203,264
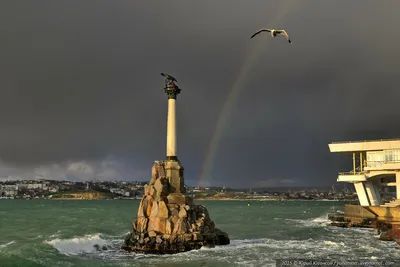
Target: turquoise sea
63,233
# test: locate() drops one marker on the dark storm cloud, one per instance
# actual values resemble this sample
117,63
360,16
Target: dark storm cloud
80,81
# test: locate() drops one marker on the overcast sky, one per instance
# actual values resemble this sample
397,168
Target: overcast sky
81,94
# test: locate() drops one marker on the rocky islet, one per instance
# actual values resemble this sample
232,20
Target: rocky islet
169,223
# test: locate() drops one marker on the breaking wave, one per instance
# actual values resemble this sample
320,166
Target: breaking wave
321,220
7,244
88,244
245,252
313,222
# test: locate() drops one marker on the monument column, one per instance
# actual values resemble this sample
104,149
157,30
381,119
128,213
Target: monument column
167,220
173,167
171,123
397,185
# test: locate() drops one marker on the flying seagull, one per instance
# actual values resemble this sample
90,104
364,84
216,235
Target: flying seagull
274,33
169,77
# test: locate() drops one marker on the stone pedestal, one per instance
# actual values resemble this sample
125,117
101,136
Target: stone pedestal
174,173
167,220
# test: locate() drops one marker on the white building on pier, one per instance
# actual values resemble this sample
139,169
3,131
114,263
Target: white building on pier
375,163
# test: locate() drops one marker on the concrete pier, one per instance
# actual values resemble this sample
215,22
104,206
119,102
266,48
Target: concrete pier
378,166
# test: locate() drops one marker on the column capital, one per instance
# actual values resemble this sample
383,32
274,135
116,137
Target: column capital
172,90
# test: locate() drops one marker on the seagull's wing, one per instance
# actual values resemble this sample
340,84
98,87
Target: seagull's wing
262,30
283,32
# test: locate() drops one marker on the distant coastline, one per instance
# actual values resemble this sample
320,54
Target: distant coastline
270,199
128,190
230,196
84,197
103,196
240,199
81,196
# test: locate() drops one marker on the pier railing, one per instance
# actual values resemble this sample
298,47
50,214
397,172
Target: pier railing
353,172
380,163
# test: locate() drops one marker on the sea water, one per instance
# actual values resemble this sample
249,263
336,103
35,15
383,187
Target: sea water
64,233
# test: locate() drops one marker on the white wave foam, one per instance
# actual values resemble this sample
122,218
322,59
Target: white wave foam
78,245
361,230
323,219
250,251
333,244
309,248
56,234
319,221
7,244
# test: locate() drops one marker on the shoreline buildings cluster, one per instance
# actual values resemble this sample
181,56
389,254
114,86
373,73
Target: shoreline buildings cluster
46,189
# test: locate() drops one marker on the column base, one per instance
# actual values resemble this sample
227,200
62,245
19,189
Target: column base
172,158
174,173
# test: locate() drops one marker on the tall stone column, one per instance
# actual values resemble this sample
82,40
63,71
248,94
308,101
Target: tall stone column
173,167
397,185
171,128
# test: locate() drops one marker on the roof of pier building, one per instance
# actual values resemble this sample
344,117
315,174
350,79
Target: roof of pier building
365,145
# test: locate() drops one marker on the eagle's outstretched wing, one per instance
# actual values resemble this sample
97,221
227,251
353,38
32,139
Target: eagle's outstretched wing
262,30
283,32
168,77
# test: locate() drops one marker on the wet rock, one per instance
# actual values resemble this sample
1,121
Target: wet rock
157,224
188,237
100,248
174,212
180,227
182,213
337,217
340,224
152,234
197,236
154,210
168,227
163,210
174,219
143,207
152,181
222,237
152,191
387,236
141,224
149,207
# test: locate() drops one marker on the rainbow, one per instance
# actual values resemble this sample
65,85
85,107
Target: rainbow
250,59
